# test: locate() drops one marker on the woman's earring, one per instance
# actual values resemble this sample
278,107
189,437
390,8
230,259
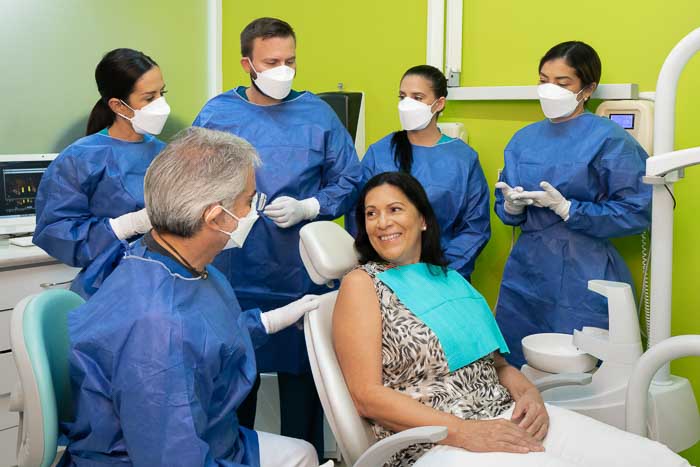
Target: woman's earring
424,228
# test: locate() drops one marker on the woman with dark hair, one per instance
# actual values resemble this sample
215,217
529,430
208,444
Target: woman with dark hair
431,250
91,197
448,168
418,346
571,182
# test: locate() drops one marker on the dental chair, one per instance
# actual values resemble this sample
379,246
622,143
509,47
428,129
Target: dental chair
39,336
328,254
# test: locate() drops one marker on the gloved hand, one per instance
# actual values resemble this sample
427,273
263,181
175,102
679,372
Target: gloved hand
549,198
286,211
513,205
130,224
281,318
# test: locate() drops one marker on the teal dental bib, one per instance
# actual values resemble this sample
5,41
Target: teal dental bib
454,310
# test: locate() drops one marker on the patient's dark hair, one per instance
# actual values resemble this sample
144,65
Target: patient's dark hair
431,249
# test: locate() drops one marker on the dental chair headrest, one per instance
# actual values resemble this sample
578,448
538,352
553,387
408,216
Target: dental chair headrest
328,251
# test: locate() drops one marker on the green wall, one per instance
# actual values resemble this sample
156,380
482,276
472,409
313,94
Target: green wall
50,50
367,45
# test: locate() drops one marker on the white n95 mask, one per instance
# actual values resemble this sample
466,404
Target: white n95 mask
557,102
414,115
239,235
275,82
245,224
151,118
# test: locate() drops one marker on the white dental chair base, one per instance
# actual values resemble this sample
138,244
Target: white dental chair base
672,419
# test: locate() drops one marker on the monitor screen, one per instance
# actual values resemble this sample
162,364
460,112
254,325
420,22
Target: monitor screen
347,107
626,121
19,182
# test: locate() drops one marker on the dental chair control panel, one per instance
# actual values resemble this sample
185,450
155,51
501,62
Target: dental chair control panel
635,116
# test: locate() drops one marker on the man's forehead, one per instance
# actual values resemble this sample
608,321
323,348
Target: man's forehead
274,47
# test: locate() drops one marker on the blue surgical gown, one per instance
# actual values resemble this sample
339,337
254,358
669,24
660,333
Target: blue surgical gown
306,152
456,187
94,179
598,166
159,363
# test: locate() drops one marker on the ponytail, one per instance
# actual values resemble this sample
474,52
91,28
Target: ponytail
100,118
403,151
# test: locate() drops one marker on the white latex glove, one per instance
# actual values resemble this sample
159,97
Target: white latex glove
286,211
513,205
549,198
281,318
130,224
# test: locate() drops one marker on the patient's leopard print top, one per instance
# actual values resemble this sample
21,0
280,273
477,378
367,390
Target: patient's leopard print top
414,363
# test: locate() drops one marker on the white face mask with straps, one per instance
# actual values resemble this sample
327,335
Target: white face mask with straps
275,82
245,224
149,119
557,102
415,115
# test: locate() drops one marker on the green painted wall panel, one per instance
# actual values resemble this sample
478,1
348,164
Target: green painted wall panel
50,50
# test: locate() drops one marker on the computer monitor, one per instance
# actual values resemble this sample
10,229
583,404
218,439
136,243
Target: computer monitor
350,109
20,175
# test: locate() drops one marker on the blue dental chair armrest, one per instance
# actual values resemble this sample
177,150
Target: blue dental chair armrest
563,379
381,451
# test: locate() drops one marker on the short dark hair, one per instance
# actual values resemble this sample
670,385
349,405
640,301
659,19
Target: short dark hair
431,248
265,28
579,56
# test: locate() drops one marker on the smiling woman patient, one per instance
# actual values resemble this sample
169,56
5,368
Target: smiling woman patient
418,346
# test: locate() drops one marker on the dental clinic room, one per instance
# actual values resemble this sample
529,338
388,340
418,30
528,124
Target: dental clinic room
439,233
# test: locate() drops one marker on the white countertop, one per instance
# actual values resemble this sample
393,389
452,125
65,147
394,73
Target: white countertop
14,256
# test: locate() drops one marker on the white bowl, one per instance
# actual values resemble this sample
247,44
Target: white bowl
556,353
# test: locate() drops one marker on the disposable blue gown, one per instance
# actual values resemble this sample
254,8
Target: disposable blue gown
159,363
306,152
454,181
94,179
598,166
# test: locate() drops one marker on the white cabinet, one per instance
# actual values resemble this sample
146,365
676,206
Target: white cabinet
8,373
8,447
8,433
4,329
17,283
23,271
7,419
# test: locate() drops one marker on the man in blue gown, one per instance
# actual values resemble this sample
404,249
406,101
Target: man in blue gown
162,355
310,170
